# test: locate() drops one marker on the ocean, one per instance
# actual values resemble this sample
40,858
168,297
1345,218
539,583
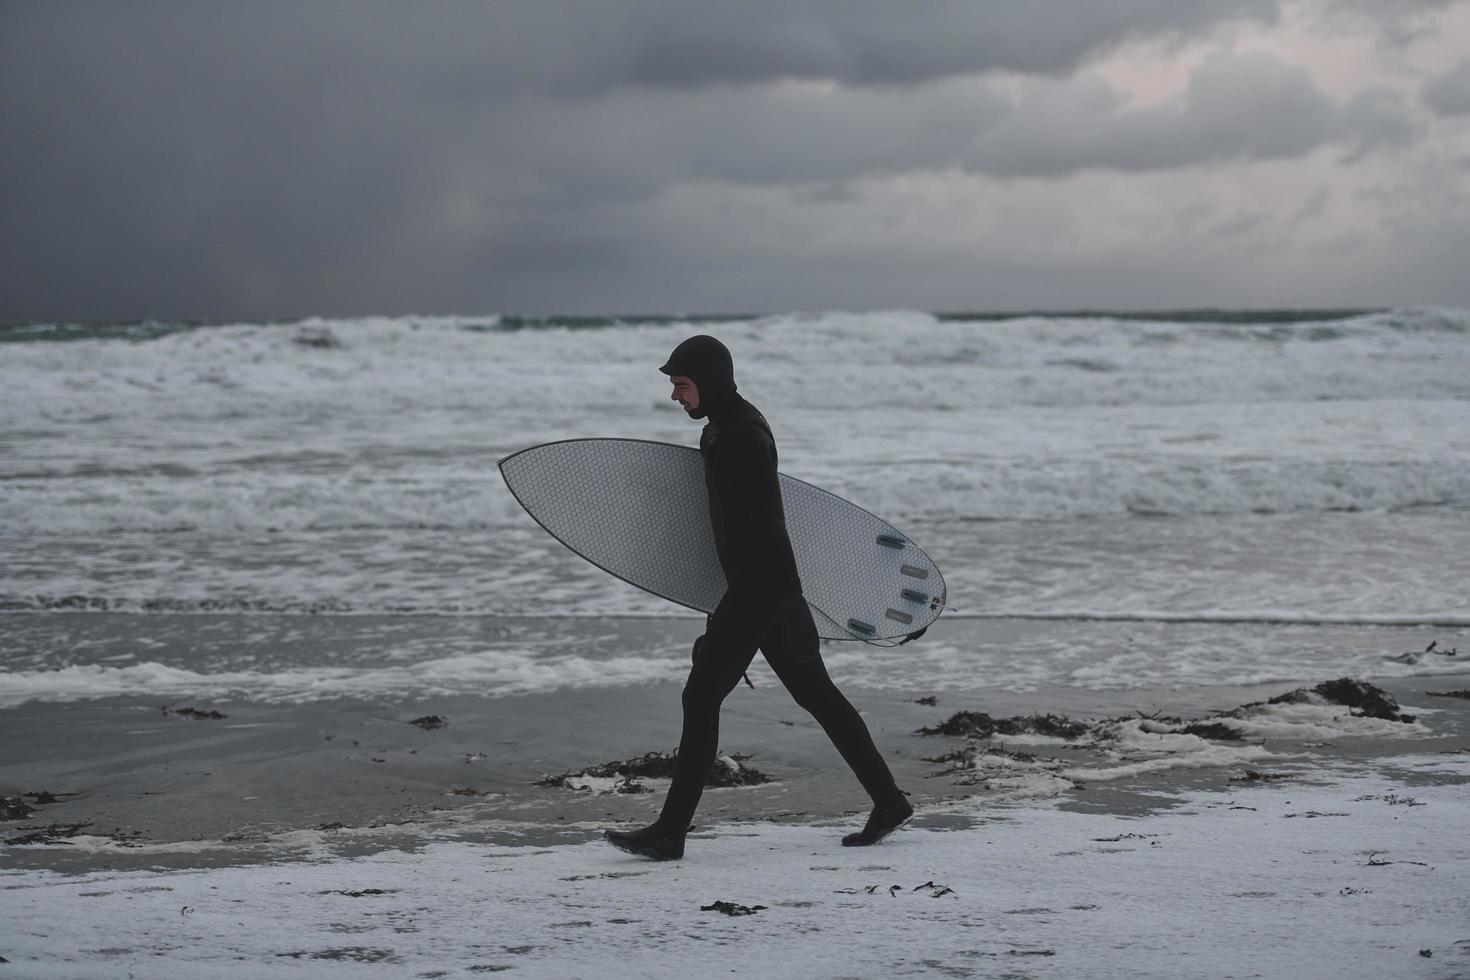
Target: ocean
1271,486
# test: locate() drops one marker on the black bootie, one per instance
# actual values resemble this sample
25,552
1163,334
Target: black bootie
652,842
884,820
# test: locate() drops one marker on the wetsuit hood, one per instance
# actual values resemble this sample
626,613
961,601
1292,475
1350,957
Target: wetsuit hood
706,362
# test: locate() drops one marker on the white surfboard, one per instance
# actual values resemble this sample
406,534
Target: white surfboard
639,510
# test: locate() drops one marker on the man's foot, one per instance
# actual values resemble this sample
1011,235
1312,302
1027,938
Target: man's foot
652,842
884,820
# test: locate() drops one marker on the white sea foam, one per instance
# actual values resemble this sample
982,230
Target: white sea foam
501,672
428,662
242,427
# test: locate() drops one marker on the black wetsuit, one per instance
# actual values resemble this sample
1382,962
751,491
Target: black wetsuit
762,609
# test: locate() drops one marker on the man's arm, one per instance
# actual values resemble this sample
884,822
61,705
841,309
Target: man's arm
744,468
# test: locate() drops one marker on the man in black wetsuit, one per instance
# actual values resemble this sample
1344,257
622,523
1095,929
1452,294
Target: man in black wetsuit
762,609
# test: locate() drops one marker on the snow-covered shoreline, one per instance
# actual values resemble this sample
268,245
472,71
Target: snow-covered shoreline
1151,831
1341,872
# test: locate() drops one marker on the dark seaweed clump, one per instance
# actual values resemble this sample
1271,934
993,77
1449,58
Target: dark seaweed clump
1367,699
1256,776
55,833
1218,731
660,765
731,908
964,758
195,713
978,724
430,722
14,808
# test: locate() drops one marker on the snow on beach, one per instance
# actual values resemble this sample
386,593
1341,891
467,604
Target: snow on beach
1317,833
1343,873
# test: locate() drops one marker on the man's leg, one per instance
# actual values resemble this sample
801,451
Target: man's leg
791,648
729,646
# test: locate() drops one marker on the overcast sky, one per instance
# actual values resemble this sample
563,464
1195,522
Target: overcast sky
274,160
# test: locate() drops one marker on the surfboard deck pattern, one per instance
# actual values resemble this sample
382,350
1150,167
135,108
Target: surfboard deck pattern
639,511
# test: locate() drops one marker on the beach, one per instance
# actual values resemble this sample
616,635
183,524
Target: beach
317,836
408,412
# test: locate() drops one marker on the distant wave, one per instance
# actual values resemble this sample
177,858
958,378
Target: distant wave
1268,617
341,606
142,330
176,501
1190,315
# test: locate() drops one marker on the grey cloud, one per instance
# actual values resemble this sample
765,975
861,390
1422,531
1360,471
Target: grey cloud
1249,106
1449,94
278,158
874,42
1394,24
1240,224
1374,119
1313,205
767,135
630,144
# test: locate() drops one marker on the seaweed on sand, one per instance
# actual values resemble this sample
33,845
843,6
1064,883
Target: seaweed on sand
1218,731
1256,776
728,770
14,808
1367,699
195,713
731,908
978,724
54,834
964,758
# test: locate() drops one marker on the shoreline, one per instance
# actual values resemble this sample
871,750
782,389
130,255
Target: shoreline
1131,833
1346,869
156,787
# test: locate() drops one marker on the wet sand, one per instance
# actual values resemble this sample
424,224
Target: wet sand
155,782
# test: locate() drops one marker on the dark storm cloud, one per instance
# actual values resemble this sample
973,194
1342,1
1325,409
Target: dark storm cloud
256,159
1449,94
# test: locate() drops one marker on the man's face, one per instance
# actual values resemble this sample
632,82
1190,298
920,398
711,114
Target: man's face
686,392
